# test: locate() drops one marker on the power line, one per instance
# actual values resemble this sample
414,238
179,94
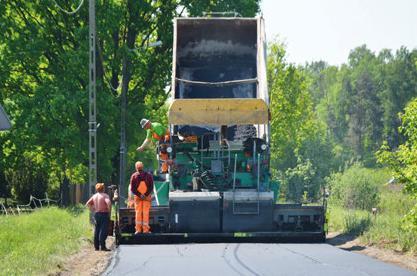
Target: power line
69,12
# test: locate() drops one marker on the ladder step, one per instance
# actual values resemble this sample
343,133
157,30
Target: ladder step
246,208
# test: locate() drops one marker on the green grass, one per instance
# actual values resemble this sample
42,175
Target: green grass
348,221
35,244
384,229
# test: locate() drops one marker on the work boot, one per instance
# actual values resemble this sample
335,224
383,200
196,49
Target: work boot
105,249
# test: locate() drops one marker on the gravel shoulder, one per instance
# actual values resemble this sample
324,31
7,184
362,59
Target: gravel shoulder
353,244
87,261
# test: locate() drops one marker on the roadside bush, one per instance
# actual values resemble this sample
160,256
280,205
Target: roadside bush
391,226
29,179
356,223
301,183
385,229
357,187
402,160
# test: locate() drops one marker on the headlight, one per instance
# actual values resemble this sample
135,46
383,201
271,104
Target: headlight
263,147
169,149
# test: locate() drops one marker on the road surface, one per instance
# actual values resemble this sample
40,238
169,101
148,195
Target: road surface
245,259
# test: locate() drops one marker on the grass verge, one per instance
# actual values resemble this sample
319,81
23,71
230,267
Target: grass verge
383,229
37,243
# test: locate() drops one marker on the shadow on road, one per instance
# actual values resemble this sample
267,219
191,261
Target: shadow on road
354,248
338,239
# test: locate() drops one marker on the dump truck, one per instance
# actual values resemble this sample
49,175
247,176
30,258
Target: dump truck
219,186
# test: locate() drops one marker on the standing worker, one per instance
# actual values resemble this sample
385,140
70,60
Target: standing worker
100,203
141,185
156,132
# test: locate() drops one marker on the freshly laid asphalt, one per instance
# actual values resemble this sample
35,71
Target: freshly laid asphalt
245,259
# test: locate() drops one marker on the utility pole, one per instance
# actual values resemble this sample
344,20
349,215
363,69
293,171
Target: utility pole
92,124
123,106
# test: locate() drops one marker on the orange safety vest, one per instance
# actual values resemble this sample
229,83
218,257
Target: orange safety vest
159,138
142,188
156,136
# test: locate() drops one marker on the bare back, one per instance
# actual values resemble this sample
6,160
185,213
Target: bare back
101,202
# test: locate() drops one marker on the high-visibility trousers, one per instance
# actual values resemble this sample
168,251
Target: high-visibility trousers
142,207
163,157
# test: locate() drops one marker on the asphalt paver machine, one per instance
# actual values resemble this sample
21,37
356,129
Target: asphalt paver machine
220,185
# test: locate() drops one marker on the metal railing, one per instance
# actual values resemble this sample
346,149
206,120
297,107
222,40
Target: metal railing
34,204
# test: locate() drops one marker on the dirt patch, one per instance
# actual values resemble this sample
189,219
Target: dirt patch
352,243
87,261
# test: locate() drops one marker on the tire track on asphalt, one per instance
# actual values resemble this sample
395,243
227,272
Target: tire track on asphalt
235,254
229,264
179,251
302,255
361,272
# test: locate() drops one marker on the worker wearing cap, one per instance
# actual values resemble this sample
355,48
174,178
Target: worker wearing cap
141,186
156,132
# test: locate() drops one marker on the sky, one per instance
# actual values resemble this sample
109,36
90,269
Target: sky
328,29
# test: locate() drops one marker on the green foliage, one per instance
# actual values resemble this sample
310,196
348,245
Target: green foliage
327,118
300,183
36,243
390,226
291,107
356,225
29,179
358,102
300,156
357,187
385,229
4,186
354,222
403,160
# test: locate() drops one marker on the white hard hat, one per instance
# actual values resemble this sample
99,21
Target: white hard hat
143,122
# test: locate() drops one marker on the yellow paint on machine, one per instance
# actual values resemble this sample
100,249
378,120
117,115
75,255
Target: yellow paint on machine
218,112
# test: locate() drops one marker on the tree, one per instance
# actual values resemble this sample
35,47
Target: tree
399,76
358,102
296,132
291,107
28,180
403,160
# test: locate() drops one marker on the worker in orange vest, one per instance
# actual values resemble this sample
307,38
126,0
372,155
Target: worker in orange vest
141,186
156,132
